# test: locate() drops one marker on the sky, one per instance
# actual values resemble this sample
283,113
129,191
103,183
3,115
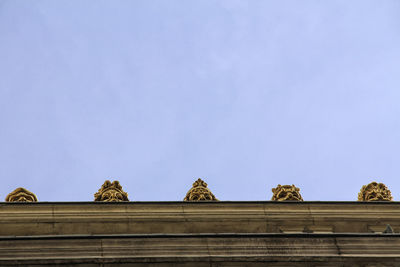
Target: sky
243,94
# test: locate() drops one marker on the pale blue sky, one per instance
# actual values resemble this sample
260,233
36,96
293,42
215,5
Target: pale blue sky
244,94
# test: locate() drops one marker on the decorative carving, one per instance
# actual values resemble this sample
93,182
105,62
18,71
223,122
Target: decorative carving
111,192
286,192
21,195
375,192
199,192
388,230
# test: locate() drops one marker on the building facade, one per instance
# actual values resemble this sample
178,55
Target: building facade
198,233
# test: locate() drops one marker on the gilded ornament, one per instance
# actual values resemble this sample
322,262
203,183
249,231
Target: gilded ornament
111,192
375,192
286,192
199,192
21,195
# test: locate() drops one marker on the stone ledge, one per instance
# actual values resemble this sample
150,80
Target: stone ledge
45,218
198,249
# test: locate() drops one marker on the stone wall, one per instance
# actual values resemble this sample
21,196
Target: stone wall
199,234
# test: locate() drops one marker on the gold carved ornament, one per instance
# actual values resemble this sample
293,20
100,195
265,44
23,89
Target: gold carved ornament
199,192
111,192
375,192
21,195
286,192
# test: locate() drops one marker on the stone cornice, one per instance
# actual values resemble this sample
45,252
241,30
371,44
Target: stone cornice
222,249
46,218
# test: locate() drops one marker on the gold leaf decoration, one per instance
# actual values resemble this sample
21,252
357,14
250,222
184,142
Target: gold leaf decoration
375,192
111,192
199,192
286,192
21,195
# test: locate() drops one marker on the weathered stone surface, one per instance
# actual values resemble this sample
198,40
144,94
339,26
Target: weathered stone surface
196,217
199,234
198,250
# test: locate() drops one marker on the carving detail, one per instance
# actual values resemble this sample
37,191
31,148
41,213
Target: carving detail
286,192
111,192
375,192
199,192
21,195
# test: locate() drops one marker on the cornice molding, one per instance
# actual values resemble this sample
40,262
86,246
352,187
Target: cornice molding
197,250
197,217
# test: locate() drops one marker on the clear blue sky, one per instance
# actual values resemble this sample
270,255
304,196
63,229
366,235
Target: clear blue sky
244,94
